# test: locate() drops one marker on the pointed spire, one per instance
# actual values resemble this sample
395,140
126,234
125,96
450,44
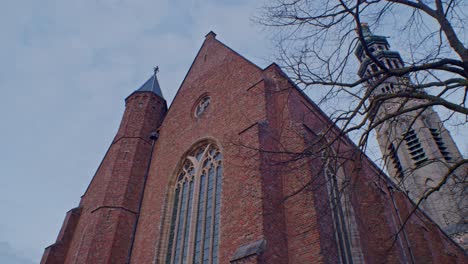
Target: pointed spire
372,40
152,84
366,30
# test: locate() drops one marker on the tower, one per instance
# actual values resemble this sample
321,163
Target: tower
417,148
102,228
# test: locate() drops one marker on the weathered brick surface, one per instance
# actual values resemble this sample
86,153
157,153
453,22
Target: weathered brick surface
103,230
230,120
260,122
57,252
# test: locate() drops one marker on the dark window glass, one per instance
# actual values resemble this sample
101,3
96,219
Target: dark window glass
197,203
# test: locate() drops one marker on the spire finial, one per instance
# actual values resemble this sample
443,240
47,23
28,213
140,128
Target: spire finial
155,82
365,29
152,85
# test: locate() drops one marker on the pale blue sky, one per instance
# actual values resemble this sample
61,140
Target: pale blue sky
65,69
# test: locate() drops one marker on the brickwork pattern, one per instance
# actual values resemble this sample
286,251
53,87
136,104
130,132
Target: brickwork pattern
261,123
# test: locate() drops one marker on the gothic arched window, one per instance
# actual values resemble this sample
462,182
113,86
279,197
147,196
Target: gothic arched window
343,216
194,226
336,198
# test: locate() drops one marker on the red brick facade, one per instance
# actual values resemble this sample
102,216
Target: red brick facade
272,195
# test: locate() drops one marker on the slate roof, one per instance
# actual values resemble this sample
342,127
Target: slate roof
151,85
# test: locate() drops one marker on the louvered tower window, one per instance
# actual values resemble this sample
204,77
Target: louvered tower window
195,219
440,143
415,148
392,154
390,88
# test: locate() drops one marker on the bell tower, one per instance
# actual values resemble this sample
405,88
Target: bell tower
102,228
417,148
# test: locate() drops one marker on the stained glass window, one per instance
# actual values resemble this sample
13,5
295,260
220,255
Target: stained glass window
195,214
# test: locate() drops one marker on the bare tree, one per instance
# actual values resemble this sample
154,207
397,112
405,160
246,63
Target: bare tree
317,41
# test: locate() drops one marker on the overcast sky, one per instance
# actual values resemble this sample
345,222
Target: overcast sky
65,69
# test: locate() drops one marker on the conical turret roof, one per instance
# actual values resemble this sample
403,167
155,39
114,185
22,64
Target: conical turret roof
151,85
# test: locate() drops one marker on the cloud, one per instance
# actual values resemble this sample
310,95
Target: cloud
65,69
10,256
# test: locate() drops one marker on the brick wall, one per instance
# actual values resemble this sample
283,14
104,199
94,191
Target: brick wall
108,209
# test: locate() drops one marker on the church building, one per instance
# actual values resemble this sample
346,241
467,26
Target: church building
241,168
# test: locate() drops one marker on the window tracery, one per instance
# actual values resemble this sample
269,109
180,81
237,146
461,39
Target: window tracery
202,106
195,217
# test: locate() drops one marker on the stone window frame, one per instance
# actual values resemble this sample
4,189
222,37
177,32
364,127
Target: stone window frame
166,225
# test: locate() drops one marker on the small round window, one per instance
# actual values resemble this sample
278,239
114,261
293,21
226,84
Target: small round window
202,106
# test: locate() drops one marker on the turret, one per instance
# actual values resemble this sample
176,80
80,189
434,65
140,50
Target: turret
379,48
110,207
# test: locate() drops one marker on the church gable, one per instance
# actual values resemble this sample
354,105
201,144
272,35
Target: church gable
212,55
220,101
220,82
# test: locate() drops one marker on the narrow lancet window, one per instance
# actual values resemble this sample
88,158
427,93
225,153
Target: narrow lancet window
195,219
337,197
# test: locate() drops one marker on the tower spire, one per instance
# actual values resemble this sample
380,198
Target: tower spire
152,84
416,146
365,30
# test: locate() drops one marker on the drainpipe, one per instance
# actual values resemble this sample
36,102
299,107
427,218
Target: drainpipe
405,235
153,136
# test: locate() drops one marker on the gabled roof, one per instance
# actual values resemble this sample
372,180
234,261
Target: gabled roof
209,38
151,85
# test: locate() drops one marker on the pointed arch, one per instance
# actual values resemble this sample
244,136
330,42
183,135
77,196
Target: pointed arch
343,216
192,233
